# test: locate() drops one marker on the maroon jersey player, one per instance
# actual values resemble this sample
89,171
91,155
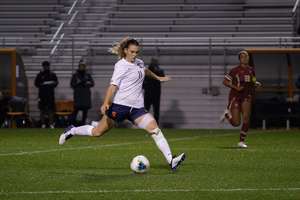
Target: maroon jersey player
239,79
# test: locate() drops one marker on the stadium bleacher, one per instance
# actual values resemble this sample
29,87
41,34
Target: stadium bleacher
30,18
34,2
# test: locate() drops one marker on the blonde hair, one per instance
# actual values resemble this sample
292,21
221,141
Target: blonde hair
125,43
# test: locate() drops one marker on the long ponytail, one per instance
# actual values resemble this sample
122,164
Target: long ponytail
125,43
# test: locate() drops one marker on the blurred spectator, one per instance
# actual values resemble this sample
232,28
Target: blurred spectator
46,81
153,88
81,82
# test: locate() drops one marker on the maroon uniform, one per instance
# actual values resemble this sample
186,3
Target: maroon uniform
240,76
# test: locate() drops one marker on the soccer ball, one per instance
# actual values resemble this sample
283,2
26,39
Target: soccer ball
140,164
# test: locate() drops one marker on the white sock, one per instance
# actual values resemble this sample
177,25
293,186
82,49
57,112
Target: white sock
163,145
82,130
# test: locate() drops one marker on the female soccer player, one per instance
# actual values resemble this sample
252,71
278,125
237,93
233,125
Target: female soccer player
128,102
239,79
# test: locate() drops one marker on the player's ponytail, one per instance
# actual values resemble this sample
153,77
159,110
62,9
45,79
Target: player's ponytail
125,43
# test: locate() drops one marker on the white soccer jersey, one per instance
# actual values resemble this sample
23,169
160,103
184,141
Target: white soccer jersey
129,77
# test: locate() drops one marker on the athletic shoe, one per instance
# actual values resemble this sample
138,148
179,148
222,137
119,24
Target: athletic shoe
176,161
66,135
51,126
241,144
223,116
43,126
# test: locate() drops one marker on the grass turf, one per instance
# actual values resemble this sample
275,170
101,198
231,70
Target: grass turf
35,166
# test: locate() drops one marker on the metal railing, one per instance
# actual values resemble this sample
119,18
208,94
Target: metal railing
62,26
71,17
156,42
295,15
203,51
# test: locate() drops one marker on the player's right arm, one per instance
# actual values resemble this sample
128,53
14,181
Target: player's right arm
229,77
228,84
110,91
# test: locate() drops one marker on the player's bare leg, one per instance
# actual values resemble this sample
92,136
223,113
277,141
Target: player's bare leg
246,112
235,119
104,125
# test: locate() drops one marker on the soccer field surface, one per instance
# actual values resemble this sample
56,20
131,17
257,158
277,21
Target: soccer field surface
35,166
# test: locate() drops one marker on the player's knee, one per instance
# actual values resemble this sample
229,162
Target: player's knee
145,121
97,133
235,123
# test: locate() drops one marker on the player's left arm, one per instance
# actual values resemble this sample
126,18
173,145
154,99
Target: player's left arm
150,74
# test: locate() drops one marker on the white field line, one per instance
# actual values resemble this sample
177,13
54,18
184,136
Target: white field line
53,150
122,144
141,191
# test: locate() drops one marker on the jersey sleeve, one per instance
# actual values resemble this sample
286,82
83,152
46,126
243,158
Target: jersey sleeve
118,75
140,63
143,65
231,74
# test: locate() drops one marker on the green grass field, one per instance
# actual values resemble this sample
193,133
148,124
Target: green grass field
35,166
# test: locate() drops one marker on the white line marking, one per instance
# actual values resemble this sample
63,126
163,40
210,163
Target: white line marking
123,191
88,147
111,145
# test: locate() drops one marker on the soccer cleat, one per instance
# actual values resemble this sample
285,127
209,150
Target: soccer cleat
43,126
223,116
66,135
241,144
51,126
176,161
